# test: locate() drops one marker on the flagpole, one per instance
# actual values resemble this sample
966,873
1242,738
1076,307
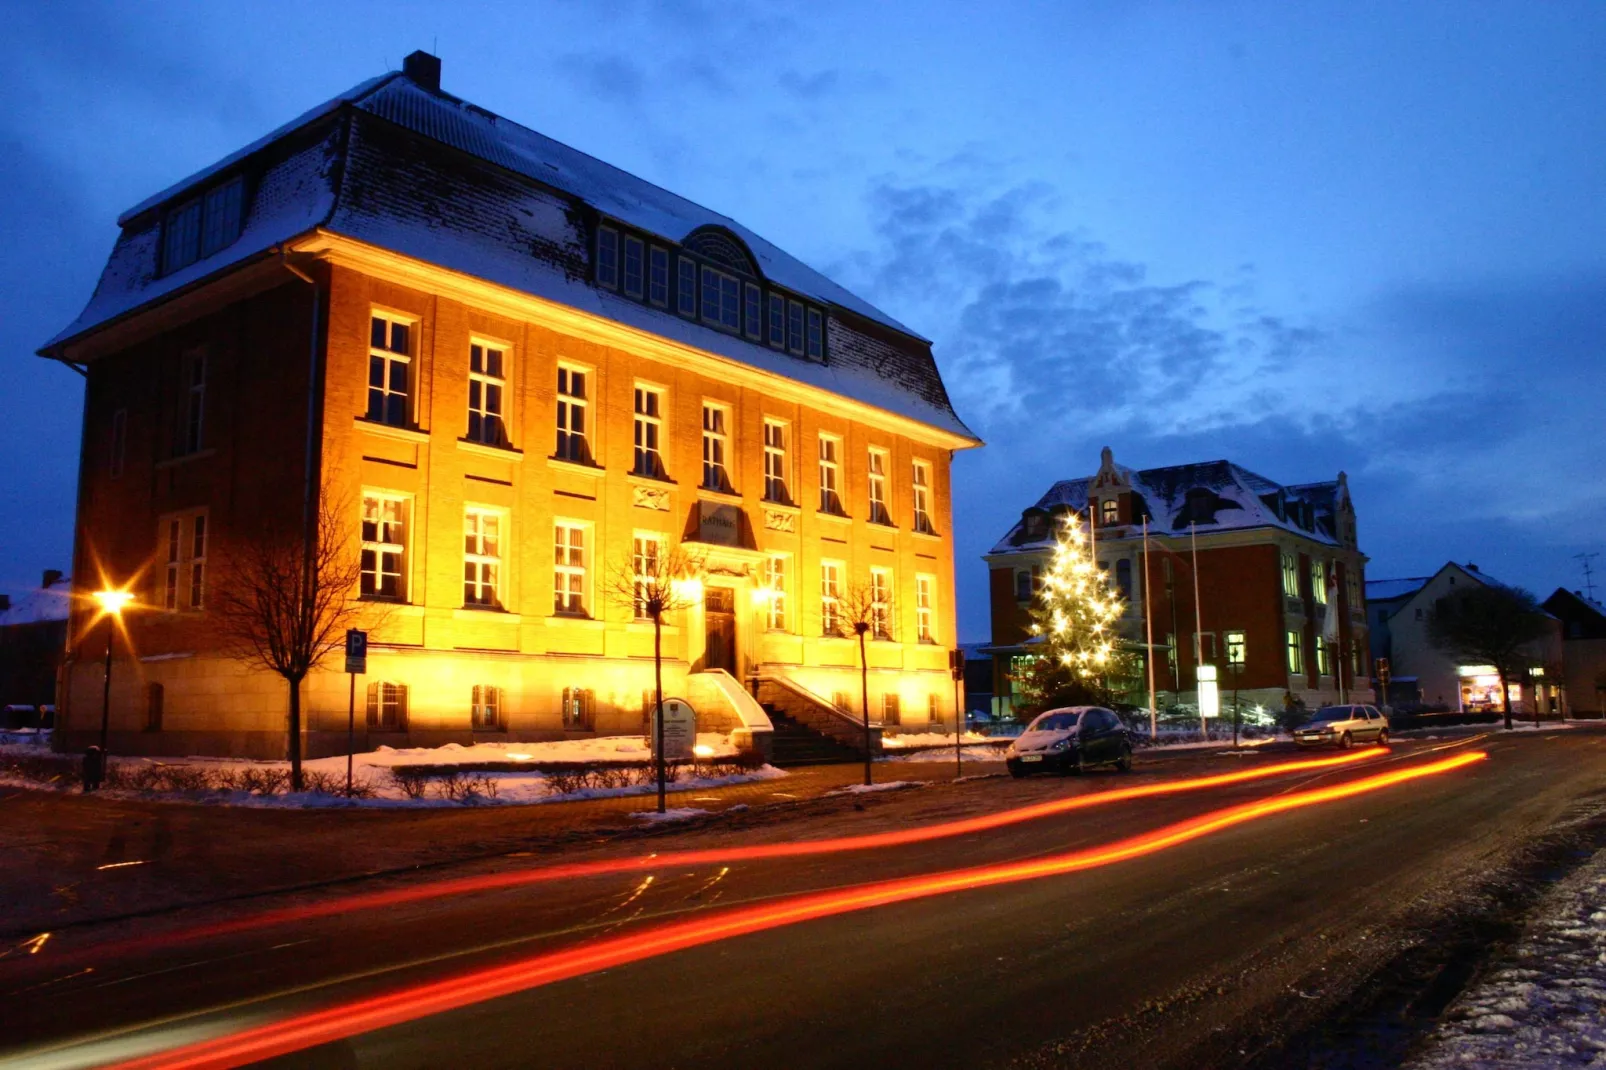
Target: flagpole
1198,631
1148,635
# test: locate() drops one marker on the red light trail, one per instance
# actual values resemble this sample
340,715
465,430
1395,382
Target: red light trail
355,1017
491,882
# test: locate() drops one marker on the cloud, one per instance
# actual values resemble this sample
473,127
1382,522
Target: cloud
606,75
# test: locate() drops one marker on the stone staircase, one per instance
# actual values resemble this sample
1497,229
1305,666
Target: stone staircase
796,744
809,730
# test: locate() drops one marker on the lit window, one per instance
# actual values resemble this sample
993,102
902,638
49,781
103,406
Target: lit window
486,706
608,257
635,266
384,547
891,709
878,487
686,290
880,603
389,360
775,583
816,335
1236,648
579,709
777,332
1296,657
1109,511
1290,575
753,310
1318,581
830,500
645,552
569,568
194,404
722,300
649,461
794,327
387,706
1323,658
482,557
830,598
572,442
715,441
925,609
775,489
658,277
486,386
922,498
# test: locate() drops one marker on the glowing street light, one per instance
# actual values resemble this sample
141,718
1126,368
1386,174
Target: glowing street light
112,603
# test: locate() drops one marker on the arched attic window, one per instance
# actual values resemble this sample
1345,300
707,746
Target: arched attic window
724,249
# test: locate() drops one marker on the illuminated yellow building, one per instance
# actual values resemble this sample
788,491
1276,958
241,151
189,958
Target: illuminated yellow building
518,370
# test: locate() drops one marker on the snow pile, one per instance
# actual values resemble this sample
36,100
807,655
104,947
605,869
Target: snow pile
1547,1006
991,753
907,740
860,789
682,813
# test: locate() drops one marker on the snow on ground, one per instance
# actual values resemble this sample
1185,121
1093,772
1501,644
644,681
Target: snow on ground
681,813
860,789
905,740
994,753
1547,1005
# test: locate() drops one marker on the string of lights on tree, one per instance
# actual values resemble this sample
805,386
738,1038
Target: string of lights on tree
1075,613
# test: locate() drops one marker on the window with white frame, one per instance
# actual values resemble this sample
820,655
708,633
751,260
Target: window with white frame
794,327
649,460
878,487
193,405
1318,582
485,706
1324,663
775,584
389,370
722,300
387,706
921,485
608,257
716,444
184,542
816,343
777,321
1237,648
384,546
658,277
573,444
569,568
198,539
880,603
926,609
753,310
830,598
1109,512
1296,654
830,499
482,557
686,288
487,386
645,552
1290,575
775,488
635,266
174,563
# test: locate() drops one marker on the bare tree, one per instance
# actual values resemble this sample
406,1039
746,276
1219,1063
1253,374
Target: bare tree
656,580
1489,626
865,610
284,600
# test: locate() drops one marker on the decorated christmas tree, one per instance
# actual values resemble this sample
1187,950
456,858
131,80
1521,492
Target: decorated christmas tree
1077,653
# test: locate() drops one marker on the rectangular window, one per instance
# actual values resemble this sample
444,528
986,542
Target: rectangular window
1318,582
1324,665
194,404
1028,583
830,500
185,543
387,706
569,568
485,707
572,442
197,560
384,547
201,227
1109,512
579,709
926,609
891,709
482,557
722,302
175,536
649,460
635,266
1296,656
608,257
830,598
775,584
181,237
777,332
220,216
487,385
1290,575
715,443
119,448
658,277
775,489
878,487
686,288
880,603
794,327
921,484
645,553
389,361
816,335
1236,648
753,310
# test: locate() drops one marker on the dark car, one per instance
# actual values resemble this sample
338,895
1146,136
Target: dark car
1070,740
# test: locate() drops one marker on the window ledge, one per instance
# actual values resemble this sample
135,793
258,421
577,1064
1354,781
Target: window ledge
405,434
649,481
782,507
719,496
930,535
173,462
501,453
840,518
889,525
501,616
595,471
574,620
638,627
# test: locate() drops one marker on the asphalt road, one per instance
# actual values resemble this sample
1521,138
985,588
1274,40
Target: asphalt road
1168,959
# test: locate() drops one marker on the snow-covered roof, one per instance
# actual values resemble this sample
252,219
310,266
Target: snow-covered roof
41,605
420,172
1388,590
1227,497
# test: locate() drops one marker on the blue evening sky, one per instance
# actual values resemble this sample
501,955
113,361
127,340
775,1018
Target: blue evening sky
1306,237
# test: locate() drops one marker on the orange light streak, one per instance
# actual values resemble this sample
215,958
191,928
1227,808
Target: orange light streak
476,986
491,882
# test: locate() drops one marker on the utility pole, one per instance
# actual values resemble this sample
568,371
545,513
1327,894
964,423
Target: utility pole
1148,635
1589,573
1198,630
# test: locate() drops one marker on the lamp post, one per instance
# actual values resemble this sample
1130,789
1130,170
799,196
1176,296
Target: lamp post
111,605
861,627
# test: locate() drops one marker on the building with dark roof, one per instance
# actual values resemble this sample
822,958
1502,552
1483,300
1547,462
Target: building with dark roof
522,368
1583,649
1280,611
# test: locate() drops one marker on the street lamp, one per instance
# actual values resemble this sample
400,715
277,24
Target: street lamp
111,605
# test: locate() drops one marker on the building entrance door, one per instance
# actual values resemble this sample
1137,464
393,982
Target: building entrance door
719,613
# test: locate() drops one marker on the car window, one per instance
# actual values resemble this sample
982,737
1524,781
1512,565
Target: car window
1054,722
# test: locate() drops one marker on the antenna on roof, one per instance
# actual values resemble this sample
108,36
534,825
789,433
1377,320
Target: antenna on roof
1589,573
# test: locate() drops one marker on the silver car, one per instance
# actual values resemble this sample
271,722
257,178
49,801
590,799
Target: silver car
1344,726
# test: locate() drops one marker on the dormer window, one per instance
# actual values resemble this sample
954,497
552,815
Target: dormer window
200,227
608,257
1109,512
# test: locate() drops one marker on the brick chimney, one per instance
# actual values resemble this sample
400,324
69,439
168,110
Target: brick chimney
424,69
51,577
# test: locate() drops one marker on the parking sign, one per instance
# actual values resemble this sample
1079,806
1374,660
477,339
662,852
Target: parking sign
356,652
